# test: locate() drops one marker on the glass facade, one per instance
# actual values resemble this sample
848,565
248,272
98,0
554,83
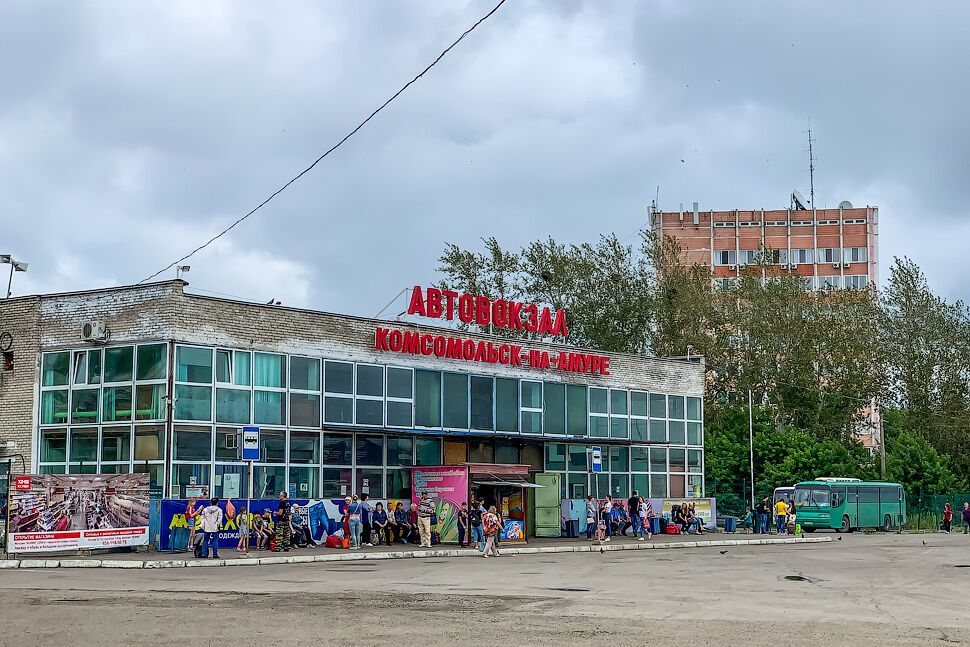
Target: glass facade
329,427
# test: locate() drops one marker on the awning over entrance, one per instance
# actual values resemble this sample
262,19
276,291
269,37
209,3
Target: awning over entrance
511,480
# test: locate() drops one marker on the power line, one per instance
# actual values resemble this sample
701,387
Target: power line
332,148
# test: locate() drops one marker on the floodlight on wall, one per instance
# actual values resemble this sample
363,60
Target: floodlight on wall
15,266
179,269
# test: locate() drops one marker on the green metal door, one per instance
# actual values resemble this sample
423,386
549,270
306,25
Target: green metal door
548,496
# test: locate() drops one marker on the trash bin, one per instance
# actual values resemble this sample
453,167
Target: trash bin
730,524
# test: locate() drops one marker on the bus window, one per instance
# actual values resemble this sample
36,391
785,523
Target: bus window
889,494
850,493
868,494
838,496
816,497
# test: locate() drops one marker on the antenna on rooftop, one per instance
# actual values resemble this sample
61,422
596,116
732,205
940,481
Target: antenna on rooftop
811,167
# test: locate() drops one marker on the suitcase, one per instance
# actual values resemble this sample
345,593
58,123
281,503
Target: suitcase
672,530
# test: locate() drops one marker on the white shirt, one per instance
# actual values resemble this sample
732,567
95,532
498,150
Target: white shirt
211,518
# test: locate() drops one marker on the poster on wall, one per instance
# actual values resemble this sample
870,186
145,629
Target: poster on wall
705,508
53,512
448,488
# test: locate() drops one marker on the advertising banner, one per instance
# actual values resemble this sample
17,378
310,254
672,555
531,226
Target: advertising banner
448,488
66,512
705,508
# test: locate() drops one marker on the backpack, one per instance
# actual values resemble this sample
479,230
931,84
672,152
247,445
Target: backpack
475,517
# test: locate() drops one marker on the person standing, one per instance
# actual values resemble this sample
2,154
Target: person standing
761,517
490,526
242,520
646,512
355,513
462,525
282,525
633,508
475,521
591,516
211,524
191,520
781,516
966,517
425,510
947,517
365,519
608,516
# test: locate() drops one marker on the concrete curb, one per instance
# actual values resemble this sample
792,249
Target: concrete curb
354,557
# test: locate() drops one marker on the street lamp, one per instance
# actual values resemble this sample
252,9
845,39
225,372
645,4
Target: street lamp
18,266
180,269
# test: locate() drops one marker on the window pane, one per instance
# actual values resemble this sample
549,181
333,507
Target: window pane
371,482
620,485
427,399
618,402
506,404
455,388
694,461
694,433
304,410
183,475
53,407
306,481
400,451
223,366
693,408
370,380
53,446
619,459
531,422
577,458
675,407
576,485
506,454
305,447
149,442
194,365
94,366
619,428
370,412
678,459
531,395
399,414
576,410
658,486
151,362
554,409
427,451
676,434
193,444
658,459
150,402
658,431
399,383
658,405
118,364
221,489
268,408
481,451
638,429
304,374
398,484
268,482
339,410
555,457
272,446
370,450
641,483
599,426
227,444
53,469
117,403
338,377
481,403
639,459
56,367
232,405
337,449
84,405
80,367
193,402
638,403
156,474
268,370
337,482
89,468
243,368
597,400
116,444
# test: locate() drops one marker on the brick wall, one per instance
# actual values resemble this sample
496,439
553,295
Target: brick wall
18,388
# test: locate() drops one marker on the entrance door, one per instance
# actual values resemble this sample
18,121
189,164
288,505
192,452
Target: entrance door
455,452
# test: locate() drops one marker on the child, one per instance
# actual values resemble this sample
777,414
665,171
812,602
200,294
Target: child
243,521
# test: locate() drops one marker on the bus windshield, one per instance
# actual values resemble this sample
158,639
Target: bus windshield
813,496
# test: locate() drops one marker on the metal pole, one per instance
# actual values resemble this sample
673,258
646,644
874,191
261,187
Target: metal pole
10,280
249,494
751,444
882,447
6,524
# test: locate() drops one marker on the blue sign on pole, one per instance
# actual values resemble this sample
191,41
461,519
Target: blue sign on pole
597,456
250,443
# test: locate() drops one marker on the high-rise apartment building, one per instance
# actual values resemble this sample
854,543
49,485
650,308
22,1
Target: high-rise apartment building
828,248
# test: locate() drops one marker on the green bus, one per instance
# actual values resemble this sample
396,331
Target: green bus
847,504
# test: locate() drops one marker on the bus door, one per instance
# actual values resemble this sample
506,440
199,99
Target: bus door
890,503
869,506
852,505
839,506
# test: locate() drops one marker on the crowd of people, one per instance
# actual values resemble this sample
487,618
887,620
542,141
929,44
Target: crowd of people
611,518
782,513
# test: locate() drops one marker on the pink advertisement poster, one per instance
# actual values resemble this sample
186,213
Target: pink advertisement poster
448,487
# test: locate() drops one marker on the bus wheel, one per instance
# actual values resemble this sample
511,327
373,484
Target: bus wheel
887,524
845,524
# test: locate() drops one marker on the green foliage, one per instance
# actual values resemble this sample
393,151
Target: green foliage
912,461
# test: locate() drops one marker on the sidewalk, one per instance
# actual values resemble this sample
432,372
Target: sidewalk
308,555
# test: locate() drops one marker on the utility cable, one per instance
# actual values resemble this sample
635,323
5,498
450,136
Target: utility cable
332,148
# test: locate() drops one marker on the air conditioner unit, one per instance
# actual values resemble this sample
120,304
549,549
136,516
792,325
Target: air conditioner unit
846,263
95,331
732,267
835,264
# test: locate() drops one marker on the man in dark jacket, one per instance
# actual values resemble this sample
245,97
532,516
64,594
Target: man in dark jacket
633,509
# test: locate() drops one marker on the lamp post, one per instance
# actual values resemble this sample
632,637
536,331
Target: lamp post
18,266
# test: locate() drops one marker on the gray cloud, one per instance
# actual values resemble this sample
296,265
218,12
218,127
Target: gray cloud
131,132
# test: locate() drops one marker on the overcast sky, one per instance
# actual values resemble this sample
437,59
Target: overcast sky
131,132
